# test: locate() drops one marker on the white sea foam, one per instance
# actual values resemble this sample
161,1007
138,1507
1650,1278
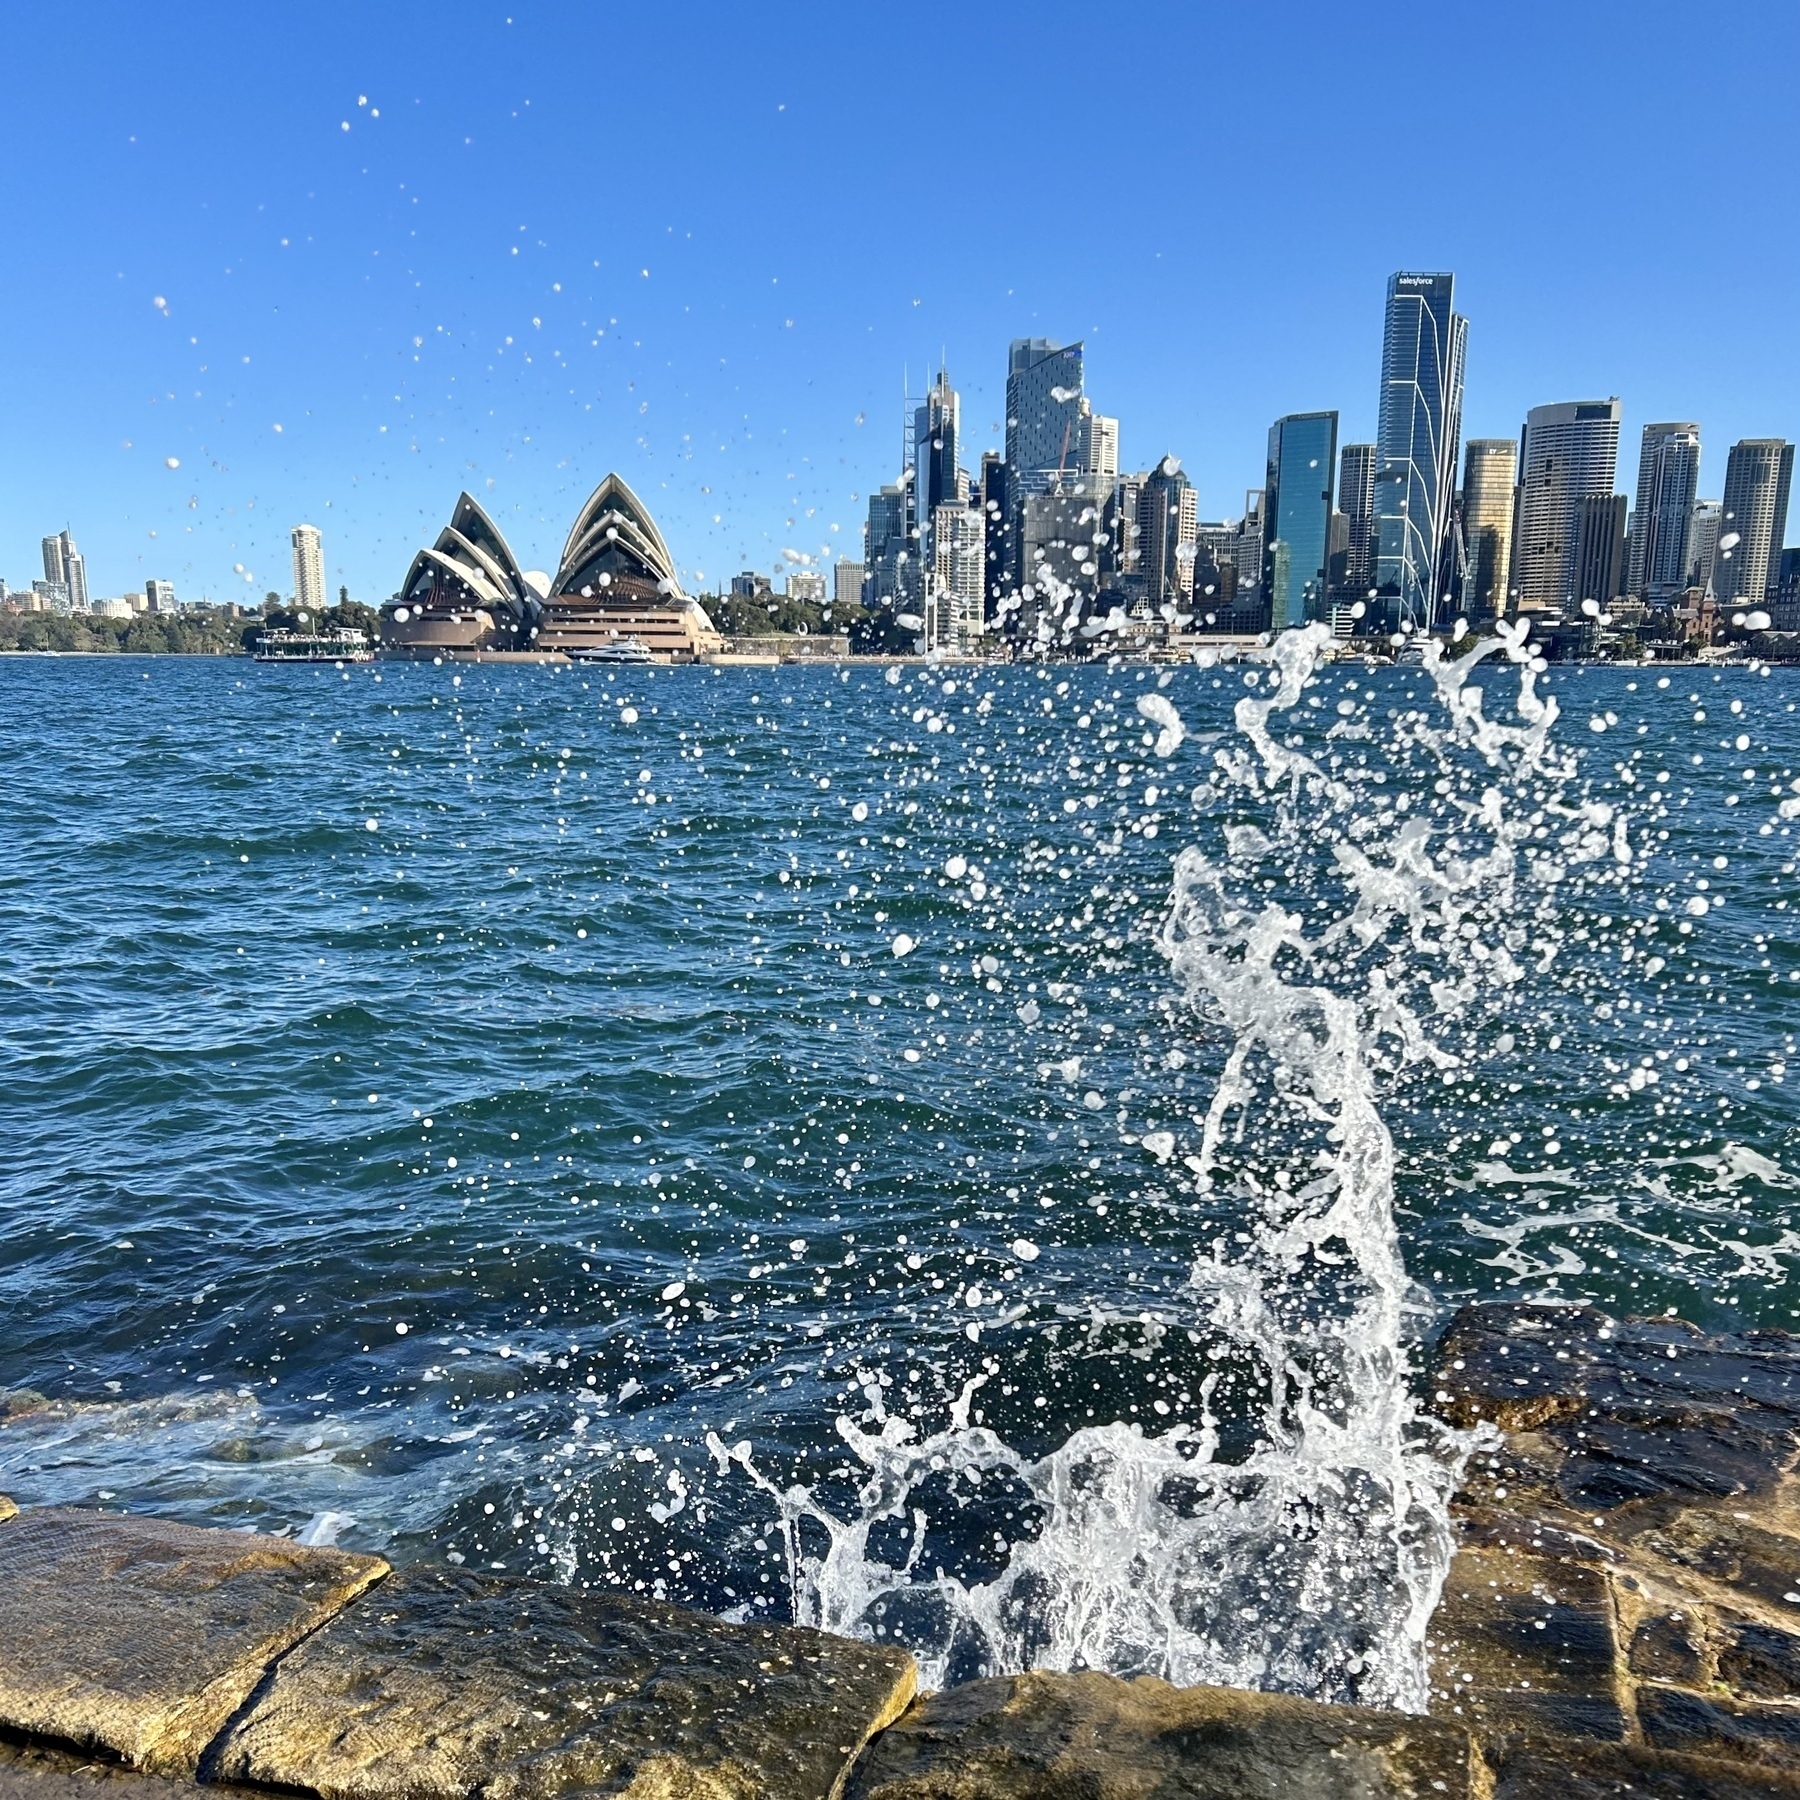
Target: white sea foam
1310,1560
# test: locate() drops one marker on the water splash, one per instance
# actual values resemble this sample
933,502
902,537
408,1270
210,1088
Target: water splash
1331,927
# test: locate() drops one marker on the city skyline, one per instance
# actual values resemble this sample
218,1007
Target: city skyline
247,264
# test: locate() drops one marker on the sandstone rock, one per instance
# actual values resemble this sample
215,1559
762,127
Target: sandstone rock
1635,1409
1095,1737
144,1637
32,1771
1727,1548
1760,1662
1669,1645
443,1684
1673,1719
1535,1770
1524,1642
7,1509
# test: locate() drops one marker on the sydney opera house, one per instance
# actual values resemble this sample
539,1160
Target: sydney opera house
466,597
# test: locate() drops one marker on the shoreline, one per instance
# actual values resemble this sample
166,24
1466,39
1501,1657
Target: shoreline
1622,1617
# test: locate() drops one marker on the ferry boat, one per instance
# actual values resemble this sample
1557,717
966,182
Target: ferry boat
616,650
343,646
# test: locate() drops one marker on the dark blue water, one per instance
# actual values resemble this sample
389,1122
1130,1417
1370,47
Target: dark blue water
440,1099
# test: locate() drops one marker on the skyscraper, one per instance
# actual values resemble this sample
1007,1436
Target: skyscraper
954,596
1490,478
1599,550
1044,428
936,425
1668,476
1424,342
1703,542
1566,451
309,570
1758,476
1250,545
997,534
1356,500
887,545
1168,518
1297,514
65,567
1099,443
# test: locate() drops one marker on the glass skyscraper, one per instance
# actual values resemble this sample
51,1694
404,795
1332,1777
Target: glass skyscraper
1297,515
1423,345
1490,476
1668,479
1044,424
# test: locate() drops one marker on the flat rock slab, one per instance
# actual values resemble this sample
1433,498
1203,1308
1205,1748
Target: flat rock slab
1637,1409
1524,1642
1570,1771
1095,1737
446,1685
144,1637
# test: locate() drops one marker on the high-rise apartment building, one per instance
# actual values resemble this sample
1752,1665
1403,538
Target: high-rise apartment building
1599,550
954,596
1168,519
806,585
1423,347
847,582
1490,481
1668,478
1356,500
1566,451
1297,514
309,570
1044,425
65,567
159,596
1759,474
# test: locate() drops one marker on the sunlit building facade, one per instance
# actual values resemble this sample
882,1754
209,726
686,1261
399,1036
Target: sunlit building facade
466,596
1566,452
1423,347
1759,473
1489,490
1668,479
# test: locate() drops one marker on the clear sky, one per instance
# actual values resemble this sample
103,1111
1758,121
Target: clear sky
339,261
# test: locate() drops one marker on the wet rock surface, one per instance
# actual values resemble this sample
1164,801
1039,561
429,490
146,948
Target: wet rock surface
142,1637
1622,1622
1638,1513
1095,1737
444,1684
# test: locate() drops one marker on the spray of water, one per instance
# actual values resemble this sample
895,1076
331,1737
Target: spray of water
1356,890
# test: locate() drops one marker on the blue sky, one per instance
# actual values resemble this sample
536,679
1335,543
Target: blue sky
705,244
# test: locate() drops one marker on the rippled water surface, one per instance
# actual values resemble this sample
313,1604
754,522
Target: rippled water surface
437,1101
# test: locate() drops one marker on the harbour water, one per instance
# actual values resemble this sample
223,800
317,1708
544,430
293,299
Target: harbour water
800,1139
